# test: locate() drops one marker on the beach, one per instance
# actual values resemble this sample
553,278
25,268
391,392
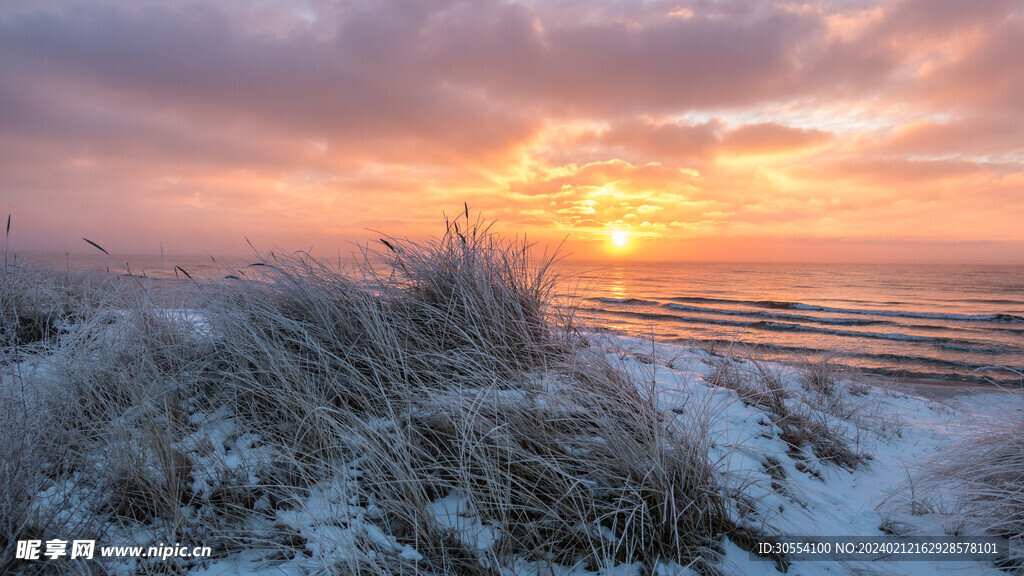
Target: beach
440,413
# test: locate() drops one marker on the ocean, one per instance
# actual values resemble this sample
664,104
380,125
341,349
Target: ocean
936,322
954,323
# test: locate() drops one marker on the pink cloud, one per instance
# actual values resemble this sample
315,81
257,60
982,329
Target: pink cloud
769,137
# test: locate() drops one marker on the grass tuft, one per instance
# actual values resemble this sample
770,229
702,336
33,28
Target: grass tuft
433,394
816,417
980,481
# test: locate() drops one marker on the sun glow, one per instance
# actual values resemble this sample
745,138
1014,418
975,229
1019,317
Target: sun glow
620,238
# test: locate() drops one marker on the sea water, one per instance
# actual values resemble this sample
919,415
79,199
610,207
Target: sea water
962,323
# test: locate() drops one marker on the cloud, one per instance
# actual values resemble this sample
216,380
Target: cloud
983,77
319,116
622,66
366,86
973,136
771,138
669,141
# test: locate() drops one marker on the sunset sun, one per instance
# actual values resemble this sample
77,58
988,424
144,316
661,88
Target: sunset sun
620,238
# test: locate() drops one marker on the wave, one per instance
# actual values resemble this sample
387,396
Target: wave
778,316
773,304
926,360
873,335
760,303
609,300
993,301
788,327
1002,379
973,349
890,365
912,314
760,346
904,374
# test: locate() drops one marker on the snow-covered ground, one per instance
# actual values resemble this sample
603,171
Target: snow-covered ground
786,491
776,485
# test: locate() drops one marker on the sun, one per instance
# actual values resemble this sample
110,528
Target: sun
620,238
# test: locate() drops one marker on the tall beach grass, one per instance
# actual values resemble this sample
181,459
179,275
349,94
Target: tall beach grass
322,416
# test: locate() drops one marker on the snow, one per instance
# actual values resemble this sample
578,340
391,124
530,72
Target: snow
841,502
786,493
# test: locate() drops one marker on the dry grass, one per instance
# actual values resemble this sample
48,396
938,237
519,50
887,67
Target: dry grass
429,368
816,417
584,471
980,481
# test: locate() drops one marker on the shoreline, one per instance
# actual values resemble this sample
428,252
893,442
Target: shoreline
934,389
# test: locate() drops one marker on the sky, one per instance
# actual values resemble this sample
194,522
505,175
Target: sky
833,131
